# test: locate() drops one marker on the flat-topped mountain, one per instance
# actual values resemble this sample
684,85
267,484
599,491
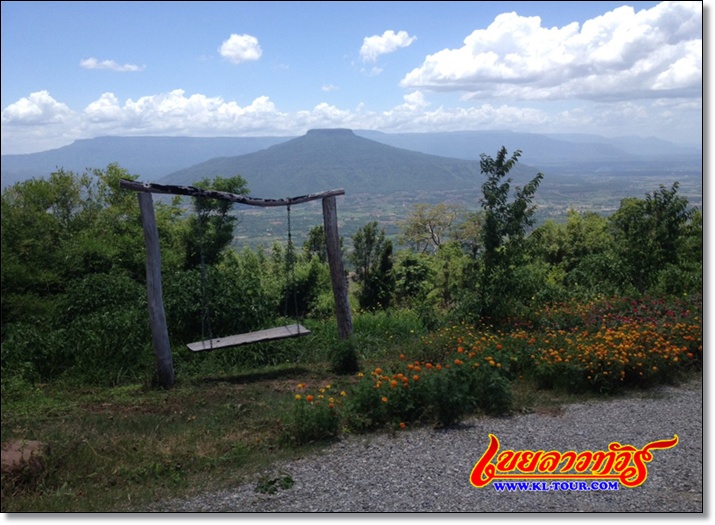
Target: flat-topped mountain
325,159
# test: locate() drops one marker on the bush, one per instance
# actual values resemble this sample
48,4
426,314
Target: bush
310,421
344,358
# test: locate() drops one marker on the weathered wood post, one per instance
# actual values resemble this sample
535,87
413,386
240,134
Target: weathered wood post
157,317
337,270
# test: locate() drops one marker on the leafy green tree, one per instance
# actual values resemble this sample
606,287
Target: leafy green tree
372,259
505,224
210,230
650,233
73,270
413,278
428,226
468,233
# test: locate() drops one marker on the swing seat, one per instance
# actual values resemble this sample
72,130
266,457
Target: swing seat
271,334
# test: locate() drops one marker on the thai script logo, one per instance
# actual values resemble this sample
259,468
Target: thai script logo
624,463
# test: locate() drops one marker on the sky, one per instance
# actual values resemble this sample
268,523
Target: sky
78,70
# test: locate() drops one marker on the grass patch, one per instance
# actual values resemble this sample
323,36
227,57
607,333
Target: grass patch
123,448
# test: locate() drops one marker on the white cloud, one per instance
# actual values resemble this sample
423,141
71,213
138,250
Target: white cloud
388,42
240,48
39,122
93,63
329,87
620,55
37,109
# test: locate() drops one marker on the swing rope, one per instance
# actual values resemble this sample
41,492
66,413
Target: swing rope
290,267
205,311
271,334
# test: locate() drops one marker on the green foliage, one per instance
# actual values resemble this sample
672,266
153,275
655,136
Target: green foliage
270,485
505,225
372,258
344,358
310,421
428,226
210,230
650,233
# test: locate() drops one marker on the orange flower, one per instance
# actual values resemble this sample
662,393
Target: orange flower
460,349
439,367
416,377
378,371
402,356
402,425
309,398
393,383
384,399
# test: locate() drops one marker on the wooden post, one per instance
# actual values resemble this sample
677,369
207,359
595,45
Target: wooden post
337,270
157,317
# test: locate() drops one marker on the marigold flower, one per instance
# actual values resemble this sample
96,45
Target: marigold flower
460,349
429,365
384,399
416,377
331,405
402,356
458,362
378,371
343,393
298,397
438,367
309,398
393,383
402,424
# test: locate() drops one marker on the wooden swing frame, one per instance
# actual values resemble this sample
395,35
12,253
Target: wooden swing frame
157,317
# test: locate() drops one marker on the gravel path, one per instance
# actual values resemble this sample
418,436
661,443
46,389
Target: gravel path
428,470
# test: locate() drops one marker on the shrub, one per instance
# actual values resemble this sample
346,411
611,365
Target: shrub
309,421
344,358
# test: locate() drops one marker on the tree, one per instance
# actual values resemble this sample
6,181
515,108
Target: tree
210,231
650,233
427,226
372,258
505,225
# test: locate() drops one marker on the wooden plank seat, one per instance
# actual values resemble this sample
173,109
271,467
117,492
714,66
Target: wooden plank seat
271,334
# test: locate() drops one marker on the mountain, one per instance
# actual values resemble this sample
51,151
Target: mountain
153,158
149,157
542,150
325,159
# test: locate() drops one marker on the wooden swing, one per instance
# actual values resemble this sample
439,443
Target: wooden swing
157,317
260,336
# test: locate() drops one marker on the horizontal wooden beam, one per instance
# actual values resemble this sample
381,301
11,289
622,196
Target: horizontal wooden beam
193,191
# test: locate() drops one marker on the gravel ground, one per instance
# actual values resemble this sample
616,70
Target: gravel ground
427,470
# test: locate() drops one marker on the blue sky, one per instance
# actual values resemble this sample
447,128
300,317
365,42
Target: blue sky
73,70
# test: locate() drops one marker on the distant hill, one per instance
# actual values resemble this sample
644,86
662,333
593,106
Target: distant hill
153,158
149,157
325,159
544,151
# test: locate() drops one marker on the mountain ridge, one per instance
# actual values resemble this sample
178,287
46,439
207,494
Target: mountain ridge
153,158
